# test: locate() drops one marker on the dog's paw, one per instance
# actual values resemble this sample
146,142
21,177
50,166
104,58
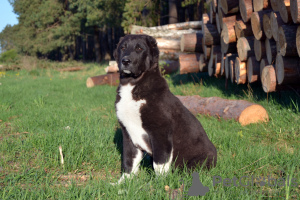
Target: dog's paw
122,179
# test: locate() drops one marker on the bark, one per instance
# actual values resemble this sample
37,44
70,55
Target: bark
165,43
287,70
191,42
287,40
189,63
210,34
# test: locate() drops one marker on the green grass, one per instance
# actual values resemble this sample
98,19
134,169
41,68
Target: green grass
42,109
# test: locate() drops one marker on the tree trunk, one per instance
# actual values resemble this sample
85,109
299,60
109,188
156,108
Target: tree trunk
172,12
189,63
267,25
287,70
259,5
165,43
287,40
240,71
246,9
295,11
107,79
242,29
259,49
268,79
245,47
229,6
191,42
241,111
97,44
276,22
253,70
271,50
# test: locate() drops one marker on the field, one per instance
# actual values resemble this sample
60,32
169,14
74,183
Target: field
42,109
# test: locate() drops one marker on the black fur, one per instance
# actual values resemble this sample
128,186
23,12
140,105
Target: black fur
167,122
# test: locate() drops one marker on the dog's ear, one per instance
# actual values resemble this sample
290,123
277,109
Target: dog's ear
153,47
116,53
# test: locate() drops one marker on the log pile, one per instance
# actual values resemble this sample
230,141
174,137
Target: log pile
248,41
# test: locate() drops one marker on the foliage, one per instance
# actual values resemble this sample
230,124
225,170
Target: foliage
9,56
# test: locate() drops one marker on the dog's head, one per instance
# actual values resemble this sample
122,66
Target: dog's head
136,54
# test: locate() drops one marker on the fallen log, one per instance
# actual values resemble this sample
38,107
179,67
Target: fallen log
71,69
287,70
253,70
166,43
191,42
276,22
245,47
112,68
241,111
295,11
259,49
246,9
107,79
240,71
242,29
189,63
271,50
176,26
162,33
287,40
259,5
268,79
229,6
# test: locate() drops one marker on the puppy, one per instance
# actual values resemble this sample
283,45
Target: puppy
152,119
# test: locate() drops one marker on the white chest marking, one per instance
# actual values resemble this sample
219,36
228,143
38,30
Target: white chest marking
128,112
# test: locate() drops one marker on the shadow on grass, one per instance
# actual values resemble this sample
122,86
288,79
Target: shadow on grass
118,141
286,97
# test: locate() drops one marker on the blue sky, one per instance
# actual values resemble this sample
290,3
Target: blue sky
7,16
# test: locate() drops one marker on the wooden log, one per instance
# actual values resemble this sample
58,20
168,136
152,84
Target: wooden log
191,42
264,62
218,63
287,40
228,48
242,29
245,47
176,26
222,70
229,6
241,111
107,79
206,51
189,63
232,70
229,57
215,57
71,69
259,5
271,50
169,66
268,79
295,11
169,54
112,68
276,22
274,5
240,71
259,49
287,70
298,40
210,34
166,43
285,10
211,14
246,9
257,24
253,70
203,64
267,25
228,36
162,33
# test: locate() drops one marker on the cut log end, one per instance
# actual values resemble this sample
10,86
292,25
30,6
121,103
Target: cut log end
279,69
240,71
267,26
282,41
268,79
253,114
295,11
253,70
259,49
246,9
284,10
203,67
298,40
89,83
276,21
264,62
256,26
245,48
259,5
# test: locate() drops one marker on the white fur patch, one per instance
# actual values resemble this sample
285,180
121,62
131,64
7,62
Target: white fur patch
163,168
128,112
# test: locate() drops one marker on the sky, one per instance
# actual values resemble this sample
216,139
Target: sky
7,16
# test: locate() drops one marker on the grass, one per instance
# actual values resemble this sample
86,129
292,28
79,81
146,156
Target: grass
42,109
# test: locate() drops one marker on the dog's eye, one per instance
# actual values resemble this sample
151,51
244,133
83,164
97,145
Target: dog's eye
139,49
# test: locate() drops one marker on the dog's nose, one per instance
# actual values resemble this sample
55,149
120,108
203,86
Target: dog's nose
126,61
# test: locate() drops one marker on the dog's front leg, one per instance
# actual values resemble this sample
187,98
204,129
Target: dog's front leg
162,157
132,157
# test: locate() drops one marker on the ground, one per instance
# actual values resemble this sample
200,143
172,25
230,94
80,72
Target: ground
42,109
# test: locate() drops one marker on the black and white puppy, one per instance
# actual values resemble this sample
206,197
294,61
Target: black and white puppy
152,119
